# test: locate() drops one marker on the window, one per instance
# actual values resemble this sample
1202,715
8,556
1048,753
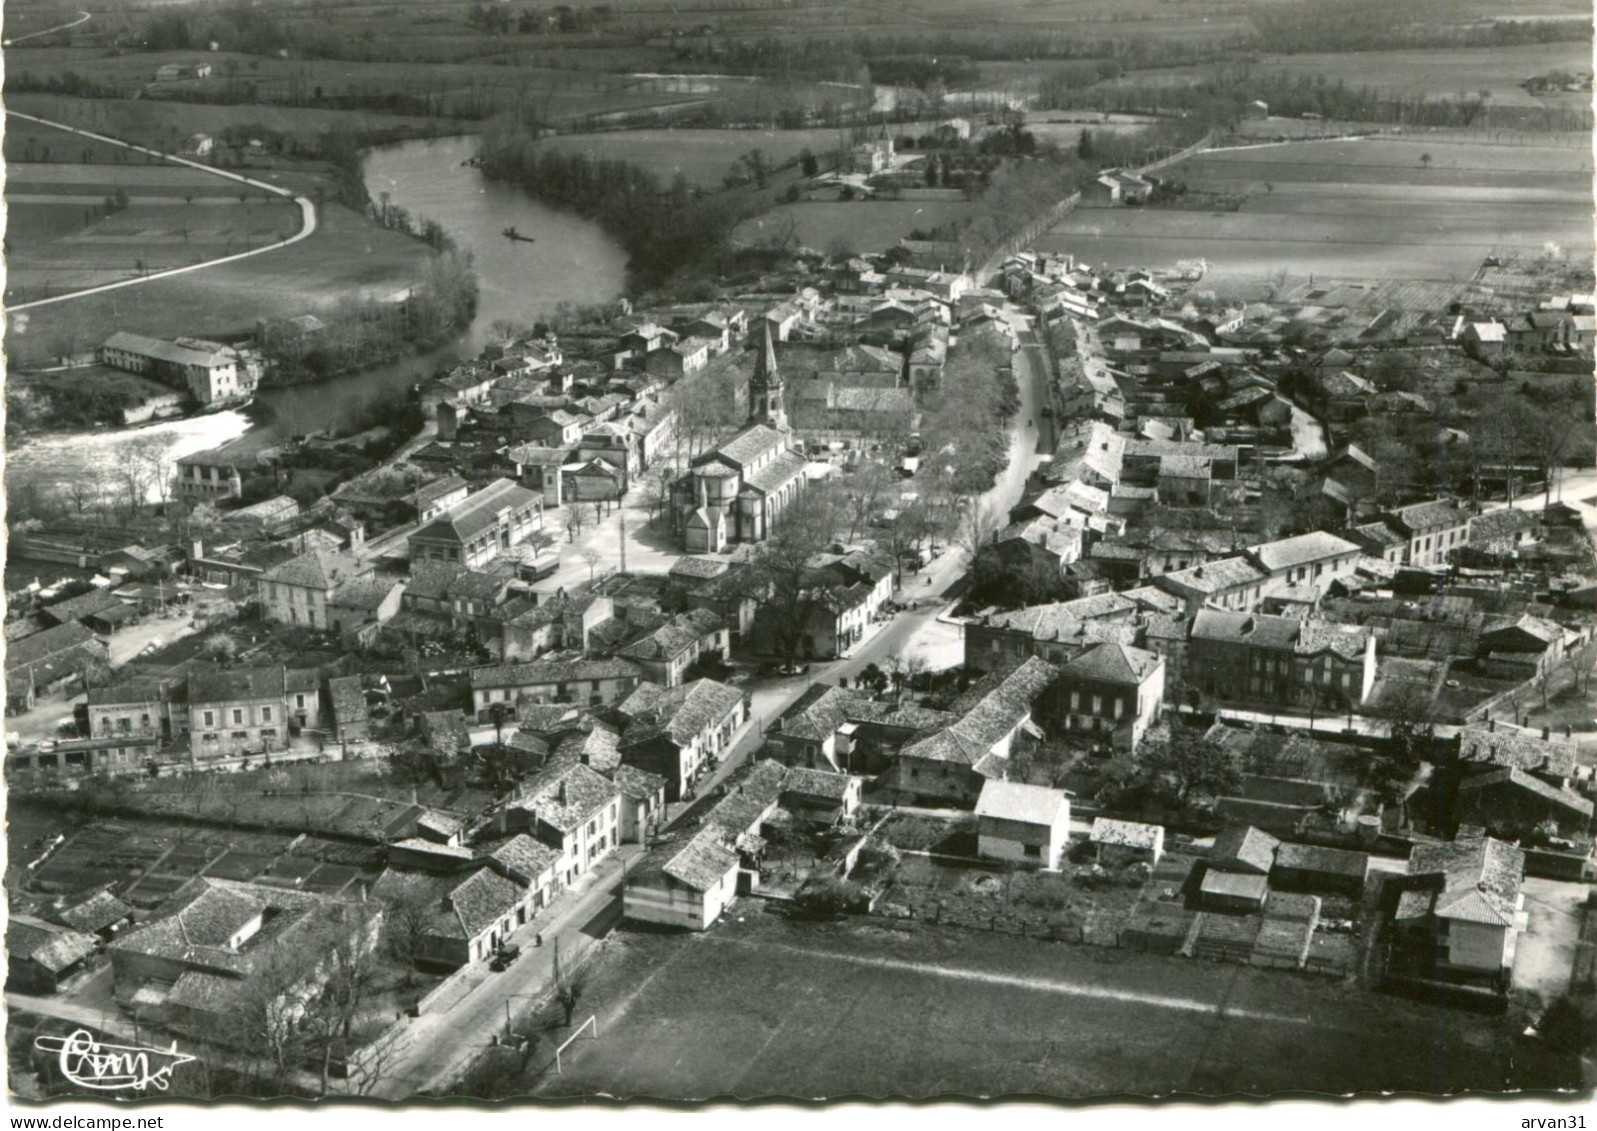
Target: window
1075,700
241,734
210,718
238,717
269,732
1033,851
1097,704
299,701
266,714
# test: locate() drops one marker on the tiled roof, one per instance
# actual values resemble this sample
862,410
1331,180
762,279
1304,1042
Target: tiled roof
816,783
349,700
1516,749
698,568
998,713
96,913
1319,858
1425,516
315,569
685,713
1346,640
523,857
673,638
46,945
476,904
786,467
1215,577
748,445
1132,834
543,672
704,861
477,512
568,795
83,605
1474,881
1303,549
1017,801
1243,848
218,686
636,783
42,645
1565,798
598,746
1113,663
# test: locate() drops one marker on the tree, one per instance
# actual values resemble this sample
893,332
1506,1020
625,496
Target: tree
1183,766
576,519
350,971
1425,160
779,577
221,648
592,557
500,714
568,990
808,163
1396,762
860,496
979,525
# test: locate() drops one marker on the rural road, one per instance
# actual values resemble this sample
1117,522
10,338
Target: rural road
83,18
307,211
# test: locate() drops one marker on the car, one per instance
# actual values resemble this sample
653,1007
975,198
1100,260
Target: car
504,956
793,669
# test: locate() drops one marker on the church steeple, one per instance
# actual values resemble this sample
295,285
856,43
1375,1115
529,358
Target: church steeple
765,386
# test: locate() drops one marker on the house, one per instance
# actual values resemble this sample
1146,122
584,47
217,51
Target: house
1232,892
1055,632
207,476
642,802
1512,803
1230,583
1244,850
1112,692
1524,647
98,610
488,524
680,359
1315,560
1505,532
680,733
351,717
300,590
953,763
872,156
217,945
41,956
468,918
1434,530
101,915
239,711
836,729
594,682
1461,909
592,480
1486,341
1485,749
666,653
1255,657
574,809
46,660
1118,843
134,707
821,795
1120,186
1023,824
359,607
439,497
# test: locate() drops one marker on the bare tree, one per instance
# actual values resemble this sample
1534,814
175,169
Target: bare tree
978,527
592,557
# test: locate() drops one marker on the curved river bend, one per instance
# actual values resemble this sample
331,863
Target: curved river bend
572,260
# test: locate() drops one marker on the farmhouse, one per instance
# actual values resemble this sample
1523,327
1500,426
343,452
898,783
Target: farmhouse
1462,907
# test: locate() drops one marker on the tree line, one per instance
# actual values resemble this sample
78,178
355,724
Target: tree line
676,236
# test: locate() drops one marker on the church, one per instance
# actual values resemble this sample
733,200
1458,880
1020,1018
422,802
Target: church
738,491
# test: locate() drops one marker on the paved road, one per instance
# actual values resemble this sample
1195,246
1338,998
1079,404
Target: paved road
307,211
83,18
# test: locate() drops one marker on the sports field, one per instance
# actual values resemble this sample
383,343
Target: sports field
1377,208
760,1007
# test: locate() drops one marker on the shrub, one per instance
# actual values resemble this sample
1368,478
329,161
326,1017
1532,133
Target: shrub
828,897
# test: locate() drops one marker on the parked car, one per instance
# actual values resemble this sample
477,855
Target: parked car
504,956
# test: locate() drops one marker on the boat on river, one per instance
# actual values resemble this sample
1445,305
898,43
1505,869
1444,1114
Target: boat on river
512,234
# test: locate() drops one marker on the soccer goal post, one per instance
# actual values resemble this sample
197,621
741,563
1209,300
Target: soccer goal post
591,1024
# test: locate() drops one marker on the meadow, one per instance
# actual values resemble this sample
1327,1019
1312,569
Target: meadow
347,257
1446,74
1351,209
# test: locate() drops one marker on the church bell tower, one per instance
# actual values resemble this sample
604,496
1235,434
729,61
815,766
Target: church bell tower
765,387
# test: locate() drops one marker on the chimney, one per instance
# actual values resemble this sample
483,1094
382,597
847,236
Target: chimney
1547,732
1198,572
561,793
1491,726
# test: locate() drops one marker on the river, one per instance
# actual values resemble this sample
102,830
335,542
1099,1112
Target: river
571,260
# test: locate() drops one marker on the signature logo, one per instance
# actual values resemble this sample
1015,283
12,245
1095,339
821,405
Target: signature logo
112,1068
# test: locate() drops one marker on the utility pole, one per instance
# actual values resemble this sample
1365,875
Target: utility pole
621,529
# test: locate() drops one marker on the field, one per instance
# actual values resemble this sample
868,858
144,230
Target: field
62,235
1355,208
347,257
859,225
1447,74
702,156
762,1008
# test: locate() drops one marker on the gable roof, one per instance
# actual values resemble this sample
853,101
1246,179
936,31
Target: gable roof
995,715
1017,801
684,713
314,569
1517,749
1519,779
45,944
1303,549
1243,848
1473,881
477,512
1131,834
